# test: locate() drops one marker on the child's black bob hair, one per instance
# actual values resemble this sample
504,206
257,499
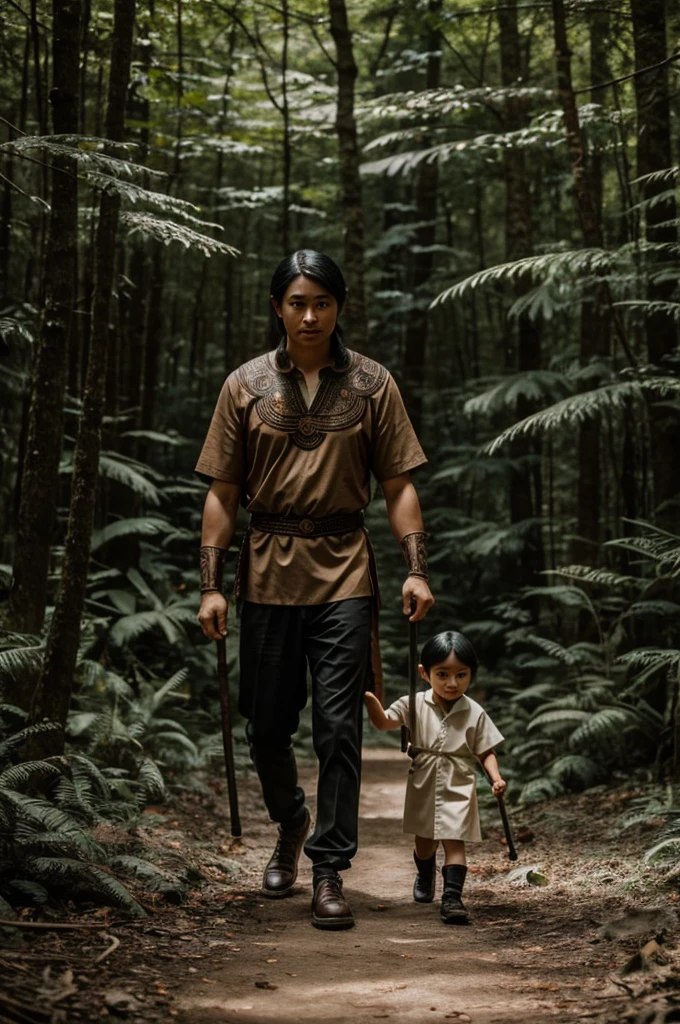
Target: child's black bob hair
439,647
319,267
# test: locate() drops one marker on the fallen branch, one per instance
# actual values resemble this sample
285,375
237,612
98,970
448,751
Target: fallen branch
50,926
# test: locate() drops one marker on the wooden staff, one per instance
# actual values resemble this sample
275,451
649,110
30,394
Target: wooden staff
408,735
223,681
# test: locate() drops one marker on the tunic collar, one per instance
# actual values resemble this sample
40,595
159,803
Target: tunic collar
284,364
462,704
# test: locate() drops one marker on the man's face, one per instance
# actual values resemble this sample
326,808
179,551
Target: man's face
309,312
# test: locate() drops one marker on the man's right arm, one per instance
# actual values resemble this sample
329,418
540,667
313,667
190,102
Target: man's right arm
219,526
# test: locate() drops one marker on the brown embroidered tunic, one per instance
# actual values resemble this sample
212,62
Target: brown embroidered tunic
295,457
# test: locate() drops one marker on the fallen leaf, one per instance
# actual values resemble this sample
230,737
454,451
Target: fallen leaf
265,984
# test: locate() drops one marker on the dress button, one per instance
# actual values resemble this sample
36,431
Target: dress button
306,525
306,426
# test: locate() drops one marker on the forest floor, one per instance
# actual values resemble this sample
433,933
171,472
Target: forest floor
563,951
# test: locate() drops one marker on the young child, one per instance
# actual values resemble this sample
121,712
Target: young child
452,731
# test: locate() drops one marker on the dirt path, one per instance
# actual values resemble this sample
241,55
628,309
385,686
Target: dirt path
531,954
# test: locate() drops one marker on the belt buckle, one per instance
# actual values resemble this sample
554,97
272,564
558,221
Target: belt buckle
306,526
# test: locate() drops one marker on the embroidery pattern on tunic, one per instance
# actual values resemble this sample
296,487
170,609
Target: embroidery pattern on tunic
339,403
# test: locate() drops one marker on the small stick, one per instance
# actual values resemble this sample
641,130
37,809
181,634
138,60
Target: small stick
50,925
115,943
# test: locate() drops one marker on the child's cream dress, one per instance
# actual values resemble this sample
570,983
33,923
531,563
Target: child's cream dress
441,797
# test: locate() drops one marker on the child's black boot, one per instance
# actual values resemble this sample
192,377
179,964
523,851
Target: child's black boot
453,911
426,879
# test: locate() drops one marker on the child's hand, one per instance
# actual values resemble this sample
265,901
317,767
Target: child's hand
376,713
499,787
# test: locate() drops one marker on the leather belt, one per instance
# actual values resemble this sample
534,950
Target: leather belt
305,526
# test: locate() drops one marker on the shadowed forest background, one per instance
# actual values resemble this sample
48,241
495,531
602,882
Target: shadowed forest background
499,185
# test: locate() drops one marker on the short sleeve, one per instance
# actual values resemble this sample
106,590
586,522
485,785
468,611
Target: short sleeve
221,457
395,448
486,734
398,711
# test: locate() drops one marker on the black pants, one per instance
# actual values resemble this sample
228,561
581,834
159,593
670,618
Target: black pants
277,644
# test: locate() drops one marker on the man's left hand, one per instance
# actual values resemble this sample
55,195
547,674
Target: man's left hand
416,589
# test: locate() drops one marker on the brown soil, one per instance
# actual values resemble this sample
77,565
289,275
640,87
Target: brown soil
532,954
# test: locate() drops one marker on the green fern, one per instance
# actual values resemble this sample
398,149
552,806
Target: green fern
167,231
564,415
73,876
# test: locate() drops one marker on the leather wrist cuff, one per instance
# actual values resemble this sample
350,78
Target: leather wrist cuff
212,568
414,547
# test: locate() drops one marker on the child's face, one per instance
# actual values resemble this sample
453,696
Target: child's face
449,679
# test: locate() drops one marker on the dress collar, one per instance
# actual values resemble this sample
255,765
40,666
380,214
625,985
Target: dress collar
462,704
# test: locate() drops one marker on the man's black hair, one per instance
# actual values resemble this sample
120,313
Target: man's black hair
318,267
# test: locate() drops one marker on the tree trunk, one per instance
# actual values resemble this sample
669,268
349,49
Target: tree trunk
415,349
40,471
525,484
53,695
654,153
350,179
287,153
594,340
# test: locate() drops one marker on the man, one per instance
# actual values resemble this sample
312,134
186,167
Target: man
295,436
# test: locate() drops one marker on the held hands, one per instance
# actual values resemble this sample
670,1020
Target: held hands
376,713
416,590
212,615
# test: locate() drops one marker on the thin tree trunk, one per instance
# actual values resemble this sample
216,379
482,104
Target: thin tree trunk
654,153
40,471
415,349
287,152
53,694
594,340
525,484
350,179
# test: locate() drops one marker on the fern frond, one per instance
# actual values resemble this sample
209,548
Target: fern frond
172,684
560,717
144,526
11,328
155,879
36,893
575,262
650,657
71,875
168,231
41,816
668,174
657,607
648,308
129,627
564,415
604,728
113,467
87,150
33,772
21,662
537,790
151,781
575,770
533,385
601,577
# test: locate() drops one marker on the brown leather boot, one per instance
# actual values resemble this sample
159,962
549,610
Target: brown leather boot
281,871
330,909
